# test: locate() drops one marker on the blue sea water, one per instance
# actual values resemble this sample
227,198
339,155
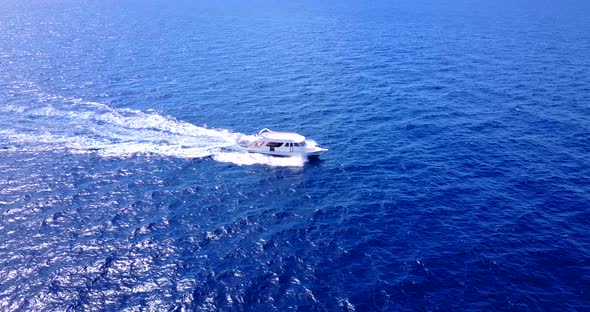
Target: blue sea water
457,176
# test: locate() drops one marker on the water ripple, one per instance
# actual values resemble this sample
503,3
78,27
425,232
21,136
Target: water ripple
457,177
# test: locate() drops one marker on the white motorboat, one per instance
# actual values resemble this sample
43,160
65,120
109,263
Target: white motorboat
284,144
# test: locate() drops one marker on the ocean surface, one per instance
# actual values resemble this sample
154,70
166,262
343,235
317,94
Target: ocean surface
458,176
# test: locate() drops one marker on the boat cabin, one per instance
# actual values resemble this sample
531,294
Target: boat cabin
283,144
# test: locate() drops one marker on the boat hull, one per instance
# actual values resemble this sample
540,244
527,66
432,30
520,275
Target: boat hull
310,154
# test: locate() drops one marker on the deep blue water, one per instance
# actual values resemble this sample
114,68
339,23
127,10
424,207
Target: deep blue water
458,176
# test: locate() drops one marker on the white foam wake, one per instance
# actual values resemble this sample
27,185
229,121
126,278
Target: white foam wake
80,126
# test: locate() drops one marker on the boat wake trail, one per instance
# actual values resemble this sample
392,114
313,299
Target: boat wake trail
57,123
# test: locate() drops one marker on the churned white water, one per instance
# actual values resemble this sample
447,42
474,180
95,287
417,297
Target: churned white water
80,126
